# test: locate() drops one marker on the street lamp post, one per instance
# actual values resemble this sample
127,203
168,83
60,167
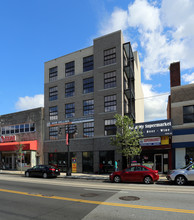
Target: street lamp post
67,133
68,153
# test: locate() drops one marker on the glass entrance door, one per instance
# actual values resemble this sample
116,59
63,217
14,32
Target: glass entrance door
158,162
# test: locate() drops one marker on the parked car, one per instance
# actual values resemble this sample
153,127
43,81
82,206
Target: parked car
43,171
182,176
136,173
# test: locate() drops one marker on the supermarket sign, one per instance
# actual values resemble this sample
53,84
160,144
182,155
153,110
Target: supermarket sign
4,139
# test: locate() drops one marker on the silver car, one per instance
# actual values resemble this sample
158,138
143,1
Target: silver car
183,175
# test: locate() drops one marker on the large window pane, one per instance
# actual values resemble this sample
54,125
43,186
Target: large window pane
53,74
88,85
88,63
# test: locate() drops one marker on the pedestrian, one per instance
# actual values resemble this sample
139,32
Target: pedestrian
116,165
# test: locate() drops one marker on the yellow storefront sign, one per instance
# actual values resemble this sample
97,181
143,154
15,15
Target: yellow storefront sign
164,140
74,165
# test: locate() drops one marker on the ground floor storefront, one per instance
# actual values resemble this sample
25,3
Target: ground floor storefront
183,147
12,158
99,156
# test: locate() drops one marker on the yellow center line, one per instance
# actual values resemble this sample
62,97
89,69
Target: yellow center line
102,203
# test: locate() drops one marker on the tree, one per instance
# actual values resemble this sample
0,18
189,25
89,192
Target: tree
127,137
19,151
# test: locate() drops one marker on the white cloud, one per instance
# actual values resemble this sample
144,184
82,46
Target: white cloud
188,78
155,104
165,33
116,21
25,103
143,15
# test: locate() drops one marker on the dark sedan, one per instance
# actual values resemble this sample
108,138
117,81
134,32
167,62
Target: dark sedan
43,171
136,173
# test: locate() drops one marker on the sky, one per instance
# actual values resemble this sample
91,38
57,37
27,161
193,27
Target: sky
36,31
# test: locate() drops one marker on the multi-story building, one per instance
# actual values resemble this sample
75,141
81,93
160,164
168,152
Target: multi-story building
87,88
21,131
181,111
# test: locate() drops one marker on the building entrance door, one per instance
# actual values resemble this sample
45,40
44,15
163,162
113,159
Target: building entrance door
158,162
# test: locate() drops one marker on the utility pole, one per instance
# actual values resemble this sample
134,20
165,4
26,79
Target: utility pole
68,131
68,152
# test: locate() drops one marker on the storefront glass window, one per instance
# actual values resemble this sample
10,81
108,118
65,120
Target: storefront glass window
106,161
87,158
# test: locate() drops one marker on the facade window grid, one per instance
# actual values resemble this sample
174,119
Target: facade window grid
69,89
110,127
70,68
110,103
16,129
88,107
70,110
188,114
53,133
53,113
88,129
53,72
88,63
53,93
110,56
110,80
88,85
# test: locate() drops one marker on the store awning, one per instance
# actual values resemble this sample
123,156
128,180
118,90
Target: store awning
13,146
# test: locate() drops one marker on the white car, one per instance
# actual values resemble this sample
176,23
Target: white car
183,175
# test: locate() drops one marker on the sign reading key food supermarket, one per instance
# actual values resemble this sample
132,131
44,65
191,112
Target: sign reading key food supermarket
4,139
156,128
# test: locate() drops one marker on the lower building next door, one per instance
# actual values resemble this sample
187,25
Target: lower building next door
158,162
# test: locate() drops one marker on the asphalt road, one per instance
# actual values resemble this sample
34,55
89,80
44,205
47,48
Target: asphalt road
37,198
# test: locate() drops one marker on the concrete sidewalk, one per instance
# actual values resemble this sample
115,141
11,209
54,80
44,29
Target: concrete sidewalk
76,175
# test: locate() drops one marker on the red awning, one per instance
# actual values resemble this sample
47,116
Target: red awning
12,146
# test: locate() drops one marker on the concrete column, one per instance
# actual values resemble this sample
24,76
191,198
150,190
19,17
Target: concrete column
33,158
12,162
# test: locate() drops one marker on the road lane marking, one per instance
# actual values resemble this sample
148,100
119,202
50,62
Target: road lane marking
103,190
102,203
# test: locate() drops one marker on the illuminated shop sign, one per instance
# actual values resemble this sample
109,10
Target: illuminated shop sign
150,141
156,128
4,139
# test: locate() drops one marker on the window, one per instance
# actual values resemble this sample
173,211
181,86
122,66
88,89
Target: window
130,169
88,107
88,63
88,85
17,129
7,130
70,110
110,56
70,68
53,133
69,89
21,128
71,129
32,127
27,128
188,114
12,129
53,113
88,129
53,93
110,127
3,130
53,74
110,80
110,103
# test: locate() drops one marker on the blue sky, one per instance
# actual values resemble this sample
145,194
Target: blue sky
35,31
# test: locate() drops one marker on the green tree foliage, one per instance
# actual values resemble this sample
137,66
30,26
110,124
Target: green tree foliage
127,137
